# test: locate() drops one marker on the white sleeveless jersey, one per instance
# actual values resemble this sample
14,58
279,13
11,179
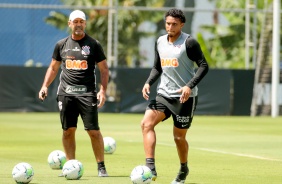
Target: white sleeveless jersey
177,68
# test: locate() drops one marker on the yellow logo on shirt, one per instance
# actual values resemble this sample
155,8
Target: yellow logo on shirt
169,62
76,64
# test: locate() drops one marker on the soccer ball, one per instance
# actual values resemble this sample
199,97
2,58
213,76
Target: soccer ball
22,173
109,145
141,174
56,159
73,170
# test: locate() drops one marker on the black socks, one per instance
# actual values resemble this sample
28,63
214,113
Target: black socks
184,167
101,165
150,162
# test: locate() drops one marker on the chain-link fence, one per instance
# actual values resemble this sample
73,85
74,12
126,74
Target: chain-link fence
127,33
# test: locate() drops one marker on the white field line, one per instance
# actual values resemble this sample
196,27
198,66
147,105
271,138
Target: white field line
238,154
228,153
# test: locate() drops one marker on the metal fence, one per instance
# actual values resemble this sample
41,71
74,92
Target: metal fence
27,40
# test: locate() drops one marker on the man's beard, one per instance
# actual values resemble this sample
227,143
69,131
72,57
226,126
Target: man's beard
78,31
170,35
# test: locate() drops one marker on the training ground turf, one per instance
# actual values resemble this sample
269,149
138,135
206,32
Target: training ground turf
223,150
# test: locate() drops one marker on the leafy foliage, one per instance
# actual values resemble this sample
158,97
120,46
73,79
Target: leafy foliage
226,47
97,24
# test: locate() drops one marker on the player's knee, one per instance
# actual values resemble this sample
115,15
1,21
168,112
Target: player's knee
179,139
143,124
146,125
69,133
94,134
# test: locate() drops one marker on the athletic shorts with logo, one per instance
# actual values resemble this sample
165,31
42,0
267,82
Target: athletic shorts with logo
72,106
182,113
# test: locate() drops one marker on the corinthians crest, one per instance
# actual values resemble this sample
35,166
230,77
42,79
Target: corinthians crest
85,50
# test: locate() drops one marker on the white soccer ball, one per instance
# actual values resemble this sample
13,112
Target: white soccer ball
109,145
22,173
73,170
56,159
141,174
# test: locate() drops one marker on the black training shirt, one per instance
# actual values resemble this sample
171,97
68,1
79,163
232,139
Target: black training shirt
78,58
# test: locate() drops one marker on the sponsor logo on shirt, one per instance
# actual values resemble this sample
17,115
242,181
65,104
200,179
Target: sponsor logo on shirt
75,49
78,89
169,62
70,57
76,64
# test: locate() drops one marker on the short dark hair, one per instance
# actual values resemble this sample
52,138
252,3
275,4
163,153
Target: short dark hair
176,13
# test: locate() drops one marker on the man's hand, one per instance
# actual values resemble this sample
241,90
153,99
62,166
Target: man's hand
101,97
43,93
146,91
185,94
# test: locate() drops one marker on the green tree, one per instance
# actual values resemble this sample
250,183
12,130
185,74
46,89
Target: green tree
97,24
226,47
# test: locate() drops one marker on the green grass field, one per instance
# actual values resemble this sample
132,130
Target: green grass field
223,150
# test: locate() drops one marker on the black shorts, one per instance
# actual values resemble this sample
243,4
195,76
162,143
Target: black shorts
71,107
182,113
